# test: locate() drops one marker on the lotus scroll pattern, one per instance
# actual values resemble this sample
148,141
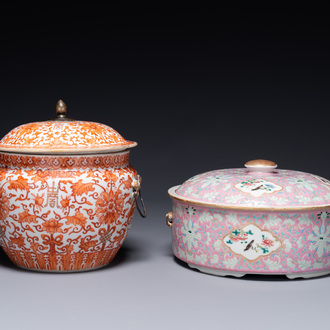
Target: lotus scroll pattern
68,219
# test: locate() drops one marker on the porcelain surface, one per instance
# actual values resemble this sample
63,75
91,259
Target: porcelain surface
64,136
67,194
65,213
242,188
252,242
253,220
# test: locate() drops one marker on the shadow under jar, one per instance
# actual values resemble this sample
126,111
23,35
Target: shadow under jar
253,220
67,194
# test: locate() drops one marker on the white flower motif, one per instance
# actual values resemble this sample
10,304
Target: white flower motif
272,264
205,217
213,180
323,215
323,180
215,259
190,210
320,236
227,186
234,199
304,219
218,217
201,259
303,199
288,188
288,245
178,210
190,234
290,263
189,190
195,178
181,253
300,244
208,238
217,245
318,265
232,218
289,222
190,257
194,195
304,264
208,196
303,183
272,220
231,263
278,200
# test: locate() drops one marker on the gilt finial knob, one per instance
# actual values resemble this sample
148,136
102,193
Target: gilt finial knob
60,109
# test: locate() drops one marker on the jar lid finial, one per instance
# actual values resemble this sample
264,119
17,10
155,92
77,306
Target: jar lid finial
61,109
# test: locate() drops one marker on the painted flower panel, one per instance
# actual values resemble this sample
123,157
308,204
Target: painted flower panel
251,242
258,187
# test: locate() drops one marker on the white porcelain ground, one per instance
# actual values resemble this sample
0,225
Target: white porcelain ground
220,272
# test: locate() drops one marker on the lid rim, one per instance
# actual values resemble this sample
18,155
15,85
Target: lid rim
175,196
68,151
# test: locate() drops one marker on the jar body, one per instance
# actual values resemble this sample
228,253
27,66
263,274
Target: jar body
238,242
65,213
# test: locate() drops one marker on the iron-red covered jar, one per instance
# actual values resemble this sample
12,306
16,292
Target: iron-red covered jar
67,194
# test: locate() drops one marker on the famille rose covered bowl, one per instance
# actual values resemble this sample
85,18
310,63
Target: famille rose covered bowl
253,220
67,194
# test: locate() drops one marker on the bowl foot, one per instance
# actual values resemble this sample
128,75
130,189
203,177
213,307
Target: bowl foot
291,276
61,271
217,272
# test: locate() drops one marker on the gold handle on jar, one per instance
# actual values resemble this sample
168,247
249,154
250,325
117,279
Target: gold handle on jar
169,219
137,193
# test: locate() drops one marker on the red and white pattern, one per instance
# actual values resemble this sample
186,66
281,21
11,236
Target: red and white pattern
65,213
70,136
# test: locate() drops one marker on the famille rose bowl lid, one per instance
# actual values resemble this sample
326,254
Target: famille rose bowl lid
64,135
258,186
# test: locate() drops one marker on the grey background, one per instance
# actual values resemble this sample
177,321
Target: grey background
198,90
